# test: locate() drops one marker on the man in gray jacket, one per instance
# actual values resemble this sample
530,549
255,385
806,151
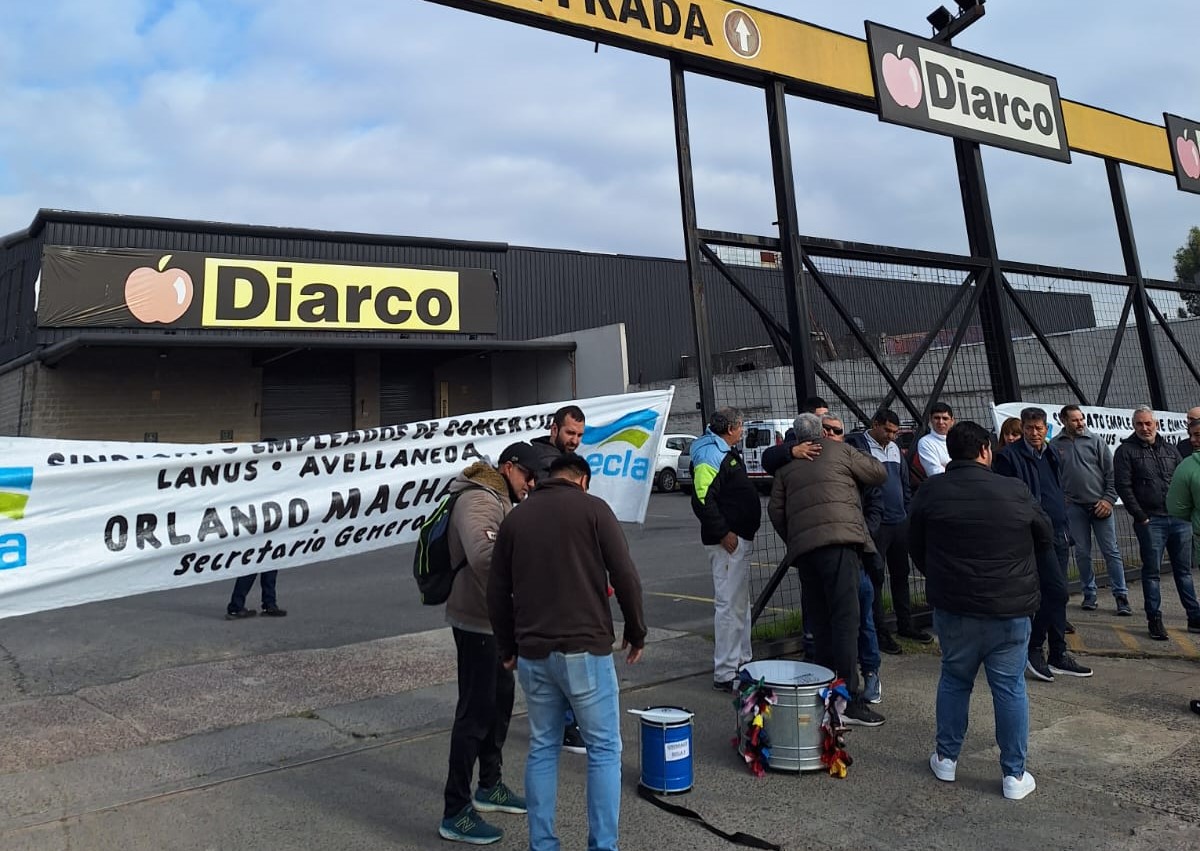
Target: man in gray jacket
815,507
485,688
1091,492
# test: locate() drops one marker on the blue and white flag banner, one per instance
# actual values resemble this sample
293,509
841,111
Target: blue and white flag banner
1111,424
94,520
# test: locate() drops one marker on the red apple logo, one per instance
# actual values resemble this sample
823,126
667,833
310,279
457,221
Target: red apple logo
902,79
1189,155
158,295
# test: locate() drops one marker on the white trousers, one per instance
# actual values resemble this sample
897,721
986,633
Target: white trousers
731,618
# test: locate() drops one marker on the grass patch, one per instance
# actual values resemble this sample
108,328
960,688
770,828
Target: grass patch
782,626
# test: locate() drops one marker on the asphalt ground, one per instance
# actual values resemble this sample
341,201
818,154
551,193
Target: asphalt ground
152,723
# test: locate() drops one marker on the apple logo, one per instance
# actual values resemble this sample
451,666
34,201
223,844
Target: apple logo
902,79
1189,155
158,295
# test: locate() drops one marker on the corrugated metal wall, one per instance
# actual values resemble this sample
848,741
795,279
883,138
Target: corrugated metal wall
541,291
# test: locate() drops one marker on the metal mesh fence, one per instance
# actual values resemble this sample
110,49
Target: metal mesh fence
1073,340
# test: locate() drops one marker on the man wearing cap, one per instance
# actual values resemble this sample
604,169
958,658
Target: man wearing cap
485,687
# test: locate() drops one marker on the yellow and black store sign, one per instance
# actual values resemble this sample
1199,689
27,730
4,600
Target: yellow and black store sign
130,288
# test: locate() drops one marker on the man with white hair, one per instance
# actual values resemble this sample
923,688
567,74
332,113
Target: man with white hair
815,508
1143,466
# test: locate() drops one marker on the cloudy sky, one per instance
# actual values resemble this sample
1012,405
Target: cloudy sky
407,117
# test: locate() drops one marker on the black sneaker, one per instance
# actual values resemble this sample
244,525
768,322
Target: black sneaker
861,715
1123,608
1195,706
274,612
1089,605
1070,630
239,614
1036,665
918,635
888,644
1193,626
1067,665
723,685
573,739
1154,625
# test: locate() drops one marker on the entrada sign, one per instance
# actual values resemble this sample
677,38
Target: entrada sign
930,86
1184,137
129,288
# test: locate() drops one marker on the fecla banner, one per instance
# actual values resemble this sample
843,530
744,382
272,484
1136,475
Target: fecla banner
88,520
1111,424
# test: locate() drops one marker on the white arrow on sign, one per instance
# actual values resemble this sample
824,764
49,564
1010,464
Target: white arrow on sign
743,32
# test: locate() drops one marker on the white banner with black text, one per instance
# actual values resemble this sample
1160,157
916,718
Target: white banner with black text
94,520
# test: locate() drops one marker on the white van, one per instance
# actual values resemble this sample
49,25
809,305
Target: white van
757,437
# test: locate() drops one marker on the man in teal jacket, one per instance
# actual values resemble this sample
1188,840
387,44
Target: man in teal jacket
730,511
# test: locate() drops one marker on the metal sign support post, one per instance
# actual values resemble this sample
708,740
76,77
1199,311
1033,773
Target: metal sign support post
799,316
687,202
1133,268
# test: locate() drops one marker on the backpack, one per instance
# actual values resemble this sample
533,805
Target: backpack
431,561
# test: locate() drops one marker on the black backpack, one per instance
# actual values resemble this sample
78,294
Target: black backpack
431,562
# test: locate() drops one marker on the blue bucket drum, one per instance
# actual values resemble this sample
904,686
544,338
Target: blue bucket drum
666,738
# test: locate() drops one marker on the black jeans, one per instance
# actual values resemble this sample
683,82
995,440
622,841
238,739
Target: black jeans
891,542
1050,622
266,584
829,593
485,702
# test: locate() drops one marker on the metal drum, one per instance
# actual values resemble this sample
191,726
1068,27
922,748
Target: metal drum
794,728
666,749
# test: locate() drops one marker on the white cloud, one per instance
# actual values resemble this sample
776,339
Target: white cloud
404,116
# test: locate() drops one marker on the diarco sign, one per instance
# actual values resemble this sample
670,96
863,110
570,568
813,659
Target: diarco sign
140,289
1184,137
923,84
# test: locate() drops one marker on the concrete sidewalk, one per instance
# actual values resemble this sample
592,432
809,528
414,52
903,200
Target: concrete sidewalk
265,753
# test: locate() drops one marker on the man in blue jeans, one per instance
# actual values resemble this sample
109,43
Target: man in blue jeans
974,535
1144,465
1032,461
553,561
1086,465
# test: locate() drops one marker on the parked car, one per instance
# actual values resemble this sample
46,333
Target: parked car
674,466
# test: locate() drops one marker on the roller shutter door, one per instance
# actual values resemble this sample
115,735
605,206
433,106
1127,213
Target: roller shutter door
308,393
405,389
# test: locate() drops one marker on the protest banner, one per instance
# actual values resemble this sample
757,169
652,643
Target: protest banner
1111,424
94,520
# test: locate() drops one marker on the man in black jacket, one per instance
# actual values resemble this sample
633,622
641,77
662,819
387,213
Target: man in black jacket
974,534
1032,461
1143,467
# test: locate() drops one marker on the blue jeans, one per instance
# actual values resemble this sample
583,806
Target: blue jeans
868,641
999,644
1083,524
588,684
1175,536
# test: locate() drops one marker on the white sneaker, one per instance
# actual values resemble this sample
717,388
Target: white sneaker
943,769
1016,788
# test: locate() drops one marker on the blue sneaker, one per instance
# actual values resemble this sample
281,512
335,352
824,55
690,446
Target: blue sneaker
468,827
499,799
872,688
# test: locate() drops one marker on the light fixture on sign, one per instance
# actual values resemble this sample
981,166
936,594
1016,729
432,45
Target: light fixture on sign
968,5
939,18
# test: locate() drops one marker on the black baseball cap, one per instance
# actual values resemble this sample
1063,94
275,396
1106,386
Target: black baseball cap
522,454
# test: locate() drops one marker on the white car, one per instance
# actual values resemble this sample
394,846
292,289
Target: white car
674,465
